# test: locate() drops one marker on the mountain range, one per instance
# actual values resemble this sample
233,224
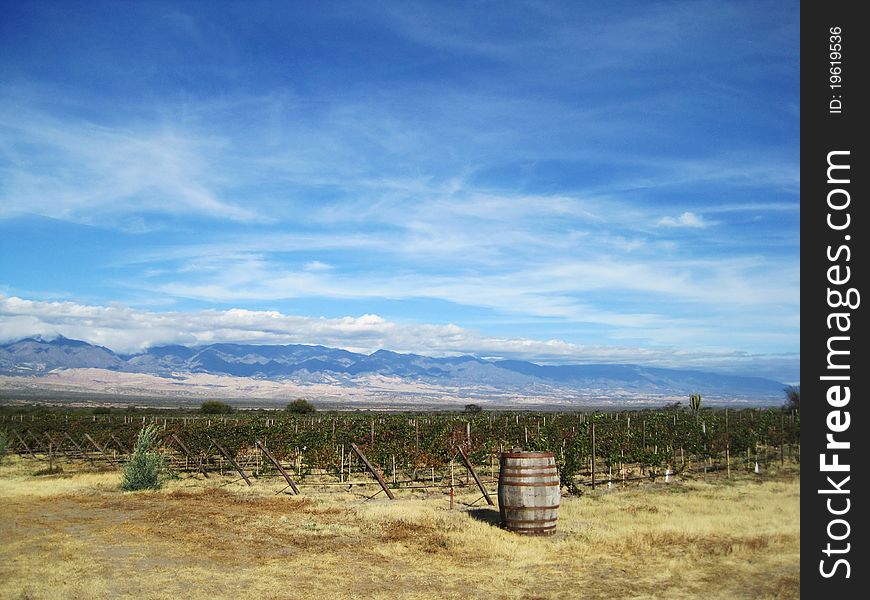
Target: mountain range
466,376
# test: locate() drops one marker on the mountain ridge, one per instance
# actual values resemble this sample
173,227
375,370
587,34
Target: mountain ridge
34,356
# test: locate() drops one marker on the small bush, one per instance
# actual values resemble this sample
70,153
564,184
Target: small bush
215,407
146,468
301,407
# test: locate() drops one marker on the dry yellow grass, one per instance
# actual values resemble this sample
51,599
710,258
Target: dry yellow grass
81,537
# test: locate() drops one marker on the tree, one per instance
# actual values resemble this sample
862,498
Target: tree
792,397
215,407
695,404
301,407
473,408
145,469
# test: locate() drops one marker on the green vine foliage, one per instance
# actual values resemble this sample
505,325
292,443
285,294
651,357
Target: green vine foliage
4,443
418,440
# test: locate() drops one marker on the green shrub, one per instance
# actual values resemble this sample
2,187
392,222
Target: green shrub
215,407
146,468
301,407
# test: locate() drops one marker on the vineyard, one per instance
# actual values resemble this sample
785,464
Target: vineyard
413,450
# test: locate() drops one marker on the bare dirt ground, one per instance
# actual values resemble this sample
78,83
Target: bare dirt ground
80,536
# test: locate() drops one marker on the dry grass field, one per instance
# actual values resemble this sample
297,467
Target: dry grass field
80,536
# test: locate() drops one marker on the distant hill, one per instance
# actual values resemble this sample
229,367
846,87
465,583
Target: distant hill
320,364
36,356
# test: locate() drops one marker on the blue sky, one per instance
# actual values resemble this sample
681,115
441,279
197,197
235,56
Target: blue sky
555,181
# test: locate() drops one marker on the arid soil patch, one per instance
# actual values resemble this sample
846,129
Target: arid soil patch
81,537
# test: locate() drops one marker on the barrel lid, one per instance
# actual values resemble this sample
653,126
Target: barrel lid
521,454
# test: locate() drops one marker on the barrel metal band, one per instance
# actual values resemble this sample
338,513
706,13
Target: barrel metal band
546,530
506,507
541,521
527,455
512,483
543,468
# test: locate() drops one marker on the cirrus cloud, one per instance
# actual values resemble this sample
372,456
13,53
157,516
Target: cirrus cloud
687,219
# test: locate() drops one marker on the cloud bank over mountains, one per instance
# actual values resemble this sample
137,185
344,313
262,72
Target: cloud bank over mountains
128,330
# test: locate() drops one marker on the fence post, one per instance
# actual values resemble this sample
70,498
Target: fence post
278,466
231,460
593,455
372,470
476,478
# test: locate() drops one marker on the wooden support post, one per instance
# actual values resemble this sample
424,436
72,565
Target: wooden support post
230,459
491,468
23,443
56,445
36,440
781,440
77,447
94,443
476,478
593,455
371,469
120,445
187,453
278,466
452,492
102,449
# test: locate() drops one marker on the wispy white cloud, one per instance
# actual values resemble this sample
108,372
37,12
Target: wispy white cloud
316,265
81,171
686,219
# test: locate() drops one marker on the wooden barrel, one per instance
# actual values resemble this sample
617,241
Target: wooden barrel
528,492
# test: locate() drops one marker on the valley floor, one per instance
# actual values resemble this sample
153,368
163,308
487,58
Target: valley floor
80,536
